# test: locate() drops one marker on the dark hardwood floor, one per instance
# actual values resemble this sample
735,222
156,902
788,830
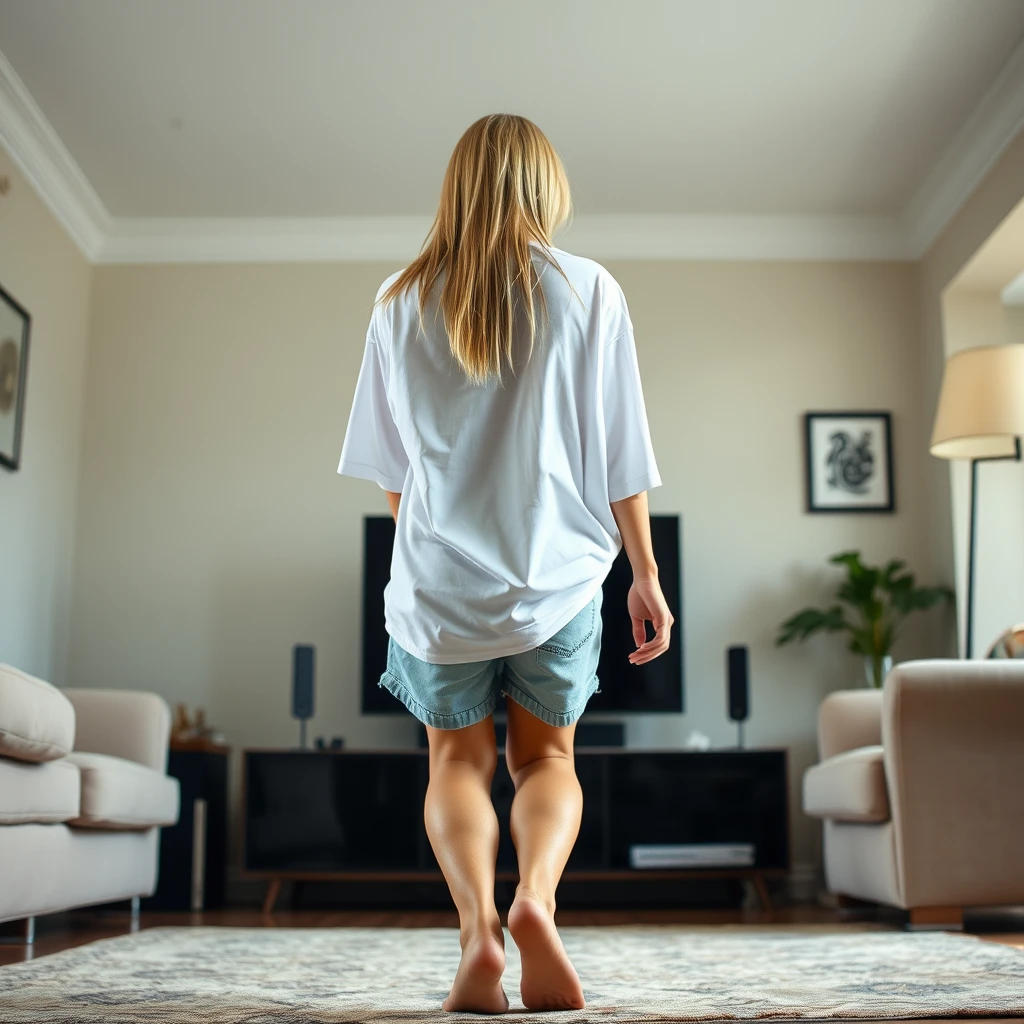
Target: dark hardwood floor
62,931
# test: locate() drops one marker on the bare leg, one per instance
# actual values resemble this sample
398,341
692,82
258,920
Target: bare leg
545,820
463,831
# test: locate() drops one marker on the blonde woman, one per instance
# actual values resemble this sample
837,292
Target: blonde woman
499,406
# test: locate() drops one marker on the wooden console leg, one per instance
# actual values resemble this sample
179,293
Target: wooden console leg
762,893
937,918
273,890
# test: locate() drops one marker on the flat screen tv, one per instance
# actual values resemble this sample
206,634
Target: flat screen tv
656,686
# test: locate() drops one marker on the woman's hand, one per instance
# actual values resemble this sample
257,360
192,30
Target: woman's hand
646,603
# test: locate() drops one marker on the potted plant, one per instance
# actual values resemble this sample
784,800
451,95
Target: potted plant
873,602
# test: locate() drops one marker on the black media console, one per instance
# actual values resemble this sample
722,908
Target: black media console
356,818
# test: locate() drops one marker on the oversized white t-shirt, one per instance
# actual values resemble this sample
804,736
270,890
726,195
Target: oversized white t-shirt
504,529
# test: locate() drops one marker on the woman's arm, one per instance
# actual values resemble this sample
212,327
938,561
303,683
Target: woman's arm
645,600
393,500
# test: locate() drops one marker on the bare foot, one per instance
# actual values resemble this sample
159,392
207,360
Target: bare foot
477,986
550,981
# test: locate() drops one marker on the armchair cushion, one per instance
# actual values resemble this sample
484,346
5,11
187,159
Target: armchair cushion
122,794
37,722
42,793
848,787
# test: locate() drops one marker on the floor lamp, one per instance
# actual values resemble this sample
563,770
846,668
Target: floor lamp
981,418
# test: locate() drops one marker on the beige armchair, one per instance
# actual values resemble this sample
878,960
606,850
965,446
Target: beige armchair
921,789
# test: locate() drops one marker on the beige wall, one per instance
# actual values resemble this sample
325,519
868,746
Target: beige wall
41,268
214,532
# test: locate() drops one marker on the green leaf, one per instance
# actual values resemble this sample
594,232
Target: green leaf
921,598
851,559
810,621
859,585
890,571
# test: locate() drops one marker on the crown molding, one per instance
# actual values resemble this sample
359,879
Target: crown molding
52,171
727,237
610,237
975,148
49,168
261,239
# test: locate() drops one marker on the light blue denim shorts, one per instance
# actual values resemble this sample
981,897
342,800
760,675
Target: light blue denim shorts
553,681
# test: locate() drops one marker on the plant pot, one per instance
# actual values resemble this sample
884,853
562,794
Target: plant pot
876,669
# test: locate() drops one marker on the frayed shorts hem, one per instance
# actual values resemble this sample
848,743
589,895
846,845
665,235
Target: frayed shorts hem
459,720
554,718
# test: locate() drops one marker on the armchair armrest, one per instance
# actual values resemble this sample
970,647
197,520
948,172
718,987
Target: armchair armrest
848,787
953,734
848,720
122,723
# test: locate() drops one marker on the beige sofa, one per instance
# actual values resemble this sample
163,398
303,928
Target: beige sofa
921,789
83,793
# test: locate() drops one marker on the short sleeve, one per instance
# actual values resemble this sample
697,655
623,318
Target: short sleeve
631,464
373,448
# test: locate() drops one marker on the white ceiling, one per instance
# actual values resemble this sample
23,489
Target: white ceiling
342,108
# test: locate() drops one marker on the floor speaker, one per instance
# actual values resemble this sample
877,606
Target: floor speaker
303,686
738,686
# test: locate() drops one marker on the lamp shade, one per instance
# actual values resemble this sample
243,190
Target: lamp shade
981,405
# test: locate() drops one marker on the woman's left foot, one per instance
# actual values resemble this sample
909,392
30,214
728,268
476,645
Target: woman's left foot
477,986
549,981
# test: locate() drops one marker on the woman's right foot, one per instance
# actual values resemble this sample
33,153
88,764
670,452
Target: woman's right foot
477,986
550,981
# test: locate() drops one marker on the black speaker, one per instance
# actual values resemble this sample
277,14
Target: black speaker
738,665
303,685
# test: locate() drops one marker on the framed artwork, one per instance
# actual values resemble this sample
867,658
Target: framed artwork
849,462
14,331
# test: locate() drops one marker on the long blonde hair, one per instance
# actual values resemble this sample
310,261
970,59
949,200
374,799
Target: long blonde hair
504,188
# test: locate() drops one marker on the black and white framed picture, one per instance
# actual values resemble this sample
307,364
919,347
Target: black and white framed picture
849,462
14,330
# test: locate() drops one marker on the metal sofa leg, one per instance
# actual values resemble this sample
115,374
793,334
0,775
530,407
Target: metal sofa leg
26,937
135,913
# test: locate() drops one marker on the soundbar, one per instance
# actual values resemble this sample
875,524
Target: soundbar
692,855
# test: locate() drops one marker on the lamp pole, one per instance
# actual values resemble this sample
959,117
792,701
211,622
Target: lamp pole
972,537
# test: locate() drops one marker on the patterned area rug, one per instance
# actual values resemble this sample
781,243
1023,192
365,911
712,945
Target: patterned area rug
329,975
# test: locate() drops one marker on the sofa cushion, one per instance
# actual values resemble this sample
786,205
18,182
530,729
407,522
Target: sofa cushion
121,794
848,787
37,722
42,793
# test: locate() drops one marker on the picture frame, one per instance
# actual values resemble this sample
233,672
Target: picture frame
849,462
15,329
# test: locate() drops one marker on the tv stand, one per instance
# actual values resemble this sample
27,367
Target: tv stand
357,817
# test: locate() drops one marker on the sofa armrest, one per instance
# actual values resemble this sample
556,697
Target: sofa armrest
122,723
849,720
953,733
